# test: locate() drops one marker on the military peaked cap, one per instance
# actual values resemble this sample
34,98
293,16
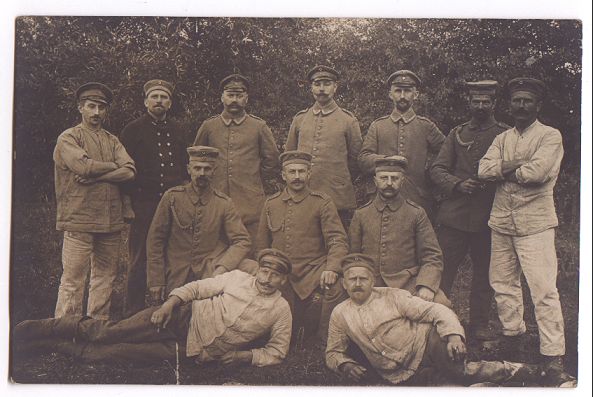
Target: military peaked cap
391,163
95,92
202,153
322,72
404,78
163,85
235,83
482,87
295,157
274,259
357,260
529,84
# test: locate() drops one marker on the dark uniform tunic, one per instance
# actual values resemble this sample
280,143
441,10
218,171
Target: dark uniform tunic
248,152
332,136
463,218
191,235
158,148
409,135
401,241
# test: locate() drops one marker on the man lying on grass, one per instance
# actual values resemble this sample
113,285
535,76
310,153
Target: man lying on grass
220,318
402,339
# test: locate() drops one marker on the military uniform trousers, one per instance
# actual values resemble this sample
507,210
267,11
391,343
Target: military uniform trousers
456,244
313,312
136,272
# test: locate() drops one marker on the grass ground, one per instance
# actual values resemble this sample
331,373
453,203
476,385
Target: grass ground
35,272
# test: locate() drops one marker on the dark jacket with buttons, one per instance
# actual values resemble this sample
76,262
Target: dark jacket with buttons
332,136
402,242
248,153
159,151
307,228
457,161
409,135
187,230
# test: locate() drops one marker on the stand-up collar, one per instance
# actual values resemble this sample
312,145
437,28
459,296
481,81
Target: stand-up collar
475,124
296,197
227,119
203,198
408,116
393,204
325,110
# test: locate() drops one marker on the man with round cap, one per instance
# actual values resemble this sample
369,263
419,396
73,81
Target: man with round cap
196,231
524,161
90,166
397,234
332,136
466,201
248,152
404,133
234,317
404,339
157,144
305,225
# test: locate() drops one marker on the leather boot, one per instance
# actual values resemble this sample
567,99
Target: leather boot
63,327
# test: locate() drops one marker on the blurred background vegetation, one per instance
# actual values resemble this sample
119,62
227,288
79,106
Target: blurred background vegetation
54,55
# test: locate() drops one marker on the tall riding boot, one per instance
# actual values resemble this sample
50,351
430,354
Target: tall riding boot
62,327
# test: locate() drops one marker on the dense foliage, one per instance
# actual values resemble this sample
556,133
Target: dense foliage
54,55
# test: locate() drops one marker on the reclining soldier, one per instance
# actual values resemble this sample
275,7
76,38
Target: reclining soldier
217,318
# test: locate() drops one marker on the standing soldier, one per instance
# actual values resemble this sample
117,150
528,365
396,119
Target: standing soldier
525,161
248,152
157,145
90,163
305,225
406,134
463,214
332,136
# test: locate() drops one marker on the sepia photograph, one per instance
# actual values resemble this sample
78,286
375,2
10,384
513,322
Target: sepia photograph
296,201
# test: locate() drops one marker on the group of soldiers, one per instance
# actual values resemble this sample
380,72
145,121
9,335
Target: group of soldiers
232,275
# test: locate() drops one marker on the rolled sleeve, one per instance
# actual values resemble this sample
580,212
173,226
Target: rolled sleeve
337,343
72,156
417,309
277,347
204,289
545,162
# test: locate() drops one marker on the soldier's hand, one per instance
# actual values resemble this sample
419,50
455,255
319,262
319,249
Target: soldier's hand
425,293
456,348
353,371
469,186
218,270
328,278
162,316
157,295
236,357
84,181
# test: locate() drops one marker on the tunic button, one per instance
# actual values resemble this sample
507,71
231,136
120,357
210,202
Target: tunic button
158,144
171,164
160,154
383,353
162,164
170,154
162,175
162,184
168,143
158,134
168,134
